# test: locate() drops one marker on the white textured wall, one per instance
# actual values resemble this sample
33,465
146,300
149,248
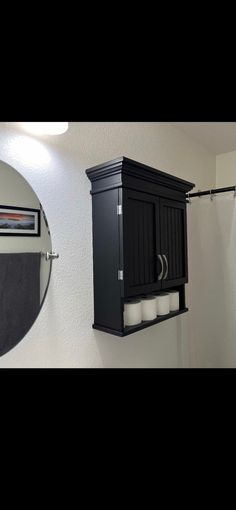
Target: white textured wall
55,167
226,169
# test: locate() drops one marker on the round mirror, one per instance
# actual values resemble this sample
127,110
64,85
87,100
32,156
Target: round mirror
25,270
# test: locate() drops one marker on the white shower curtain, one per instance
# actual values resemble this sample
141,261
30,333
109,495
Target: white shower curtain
211,292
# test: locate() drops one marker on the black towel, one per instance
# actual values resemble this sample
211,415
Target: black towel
19,296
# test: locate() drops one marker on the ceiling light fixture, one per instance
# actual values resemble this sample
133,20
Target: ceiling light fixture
45,128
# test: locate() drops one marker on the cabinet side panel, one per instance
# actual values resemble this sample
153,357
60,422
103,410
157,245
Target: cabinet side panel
107,287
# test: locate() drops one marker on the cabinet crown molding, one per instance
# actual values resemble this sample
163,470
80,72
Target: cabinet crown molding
113,174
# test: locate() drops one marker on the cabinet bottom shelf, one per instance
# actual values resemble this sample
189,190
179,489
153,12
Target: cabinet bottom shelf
128,330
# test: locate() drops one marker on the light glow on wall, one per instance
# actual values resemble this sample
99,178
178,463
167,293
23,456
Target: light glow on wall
31,153
44,128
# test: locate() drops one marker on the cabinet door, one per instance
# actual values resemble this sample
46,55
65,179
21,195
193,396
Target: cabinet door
141,228
173,242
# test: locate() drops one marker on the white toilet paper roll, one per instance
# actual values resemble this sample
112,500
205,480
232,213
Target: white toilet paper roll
174,300
149,308
132,312
162,303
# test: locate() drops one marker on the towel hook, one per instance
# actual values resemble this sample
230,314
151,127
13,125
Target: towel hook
235,191
211,195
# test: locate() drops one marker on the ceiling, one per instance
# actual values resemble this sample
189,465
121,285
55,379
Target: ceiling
217,137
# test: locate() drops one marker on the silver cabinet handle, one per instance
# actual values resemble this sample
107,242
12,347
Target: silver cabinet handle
162,268
167,267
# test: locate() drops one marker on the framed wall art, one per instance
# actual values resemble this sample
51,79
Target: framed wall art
18,221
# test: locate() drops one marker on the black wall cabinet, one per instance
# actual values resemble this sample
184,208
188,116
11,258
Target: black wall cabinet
139,238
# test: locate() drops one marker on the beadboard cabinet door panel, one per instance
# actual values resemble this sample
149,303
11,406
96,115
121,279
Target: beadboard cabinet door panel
173,242
141,227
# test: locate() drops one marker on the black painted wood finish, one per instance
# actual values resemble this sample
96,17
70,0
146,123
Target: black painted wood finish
174,242
127,240
128,330
107,291
141,242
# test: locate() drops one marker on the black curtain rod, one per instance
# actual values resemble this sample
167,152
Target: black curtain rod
211,192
